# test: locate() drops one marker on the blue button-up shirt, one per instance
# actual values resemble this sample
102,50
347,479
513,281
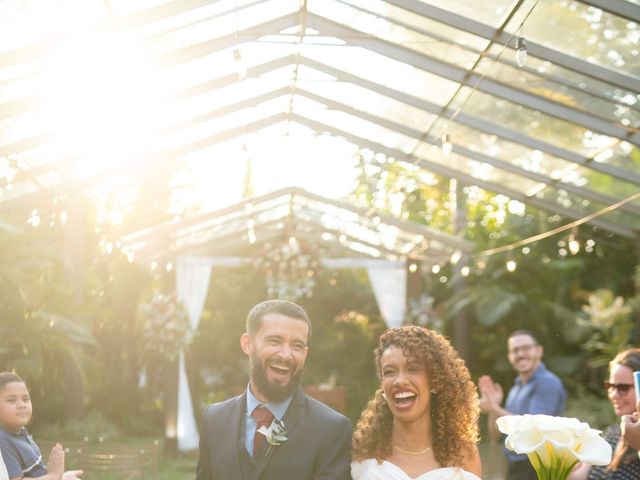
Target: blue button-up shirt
542,394
21,454
277,409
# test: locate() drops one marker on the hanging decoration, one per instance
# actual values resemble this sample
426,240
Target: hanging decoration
165,325
290,268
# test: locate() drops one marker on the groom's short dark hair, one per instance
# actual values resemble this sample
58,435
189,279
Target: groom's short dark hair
283,307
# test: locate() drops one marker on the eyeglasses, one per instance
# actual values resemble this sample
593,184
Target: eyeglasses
621,388
523,349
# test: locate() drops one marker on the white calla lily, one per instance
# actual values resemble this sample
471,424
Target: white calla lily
554,444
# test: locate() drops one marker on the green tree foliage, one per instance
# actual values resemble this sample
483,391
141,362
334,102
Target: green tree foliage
43,331
544,293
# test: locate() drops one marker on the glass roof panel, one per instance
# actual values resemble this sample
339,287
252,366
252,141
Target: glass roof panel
364,129
184,26
584,32
363,99
235,119
418,23
482,171
491,13
352,225
222,63
205,114
373,23
532,123
572,97
536,161
386,71
564,78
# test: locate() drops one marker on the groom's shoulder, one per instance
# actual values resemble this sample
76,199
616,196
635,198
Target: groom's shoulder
222,406
322,411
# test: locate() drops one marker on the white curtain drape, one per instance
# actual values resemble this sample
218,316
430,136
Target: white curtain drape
193,275
389,284
192,284
388,281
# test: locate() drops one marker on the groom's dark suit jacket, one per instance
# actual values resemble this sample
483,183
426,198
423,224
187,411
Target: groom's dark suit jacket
318,444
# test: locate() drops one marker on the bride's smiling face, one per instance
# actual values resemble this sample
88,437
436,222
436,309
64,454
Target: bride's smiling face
405,384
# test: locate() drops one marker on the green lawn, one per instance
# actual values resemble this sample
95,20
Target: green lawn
181,467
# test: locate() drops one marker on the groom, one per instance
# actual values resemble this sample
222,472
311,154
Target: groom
314,440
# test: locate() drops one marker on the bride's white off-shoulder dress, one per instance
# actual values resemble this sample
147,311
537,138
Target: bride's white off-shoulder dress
370,469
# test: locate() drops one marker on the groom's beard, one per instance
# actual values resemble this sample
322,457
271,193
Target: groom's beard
274,392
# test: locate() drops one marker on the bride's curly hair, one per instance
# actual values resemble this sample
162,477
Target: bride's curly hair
454,405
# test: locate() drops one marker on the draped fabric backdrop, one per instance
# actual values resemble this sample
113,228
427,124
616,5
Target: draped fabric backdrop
192,284
388,280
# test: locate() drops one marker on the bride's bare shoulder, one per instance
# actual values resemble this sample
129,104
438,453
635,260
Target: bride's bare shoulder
471,460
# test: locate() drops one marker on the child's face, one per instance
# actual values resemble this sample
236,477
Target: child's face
15,406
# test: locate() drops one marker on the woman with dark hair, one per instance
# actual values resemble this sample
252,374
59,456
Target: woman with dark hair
422,424
625,464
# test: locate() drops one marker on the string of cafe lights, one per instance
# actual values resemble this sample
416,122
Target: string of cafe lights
569,226
573,243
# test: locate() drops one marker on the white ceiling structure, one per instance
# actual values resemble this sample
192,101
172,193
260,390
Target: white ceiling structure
95,94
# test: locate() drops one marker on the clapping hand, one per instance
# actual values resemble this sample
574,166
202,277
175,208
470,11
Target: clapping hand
630,428
55,465
491,393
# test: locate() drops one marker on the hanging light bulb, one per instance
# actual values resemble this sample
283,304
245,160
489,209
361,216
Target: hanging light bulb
521,51
574,244
446,144
34,218
465,271
511,264
242,70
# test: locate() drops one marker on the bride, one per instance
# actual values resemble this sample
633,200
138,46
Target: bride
422,424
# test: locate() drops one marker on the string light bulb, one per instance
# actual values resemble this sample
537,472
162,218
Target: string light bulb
521,51
447,146
511,265
573,243
240,67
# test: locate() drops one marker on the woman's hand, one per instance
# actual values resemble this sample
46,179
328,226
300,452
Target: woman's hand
630,428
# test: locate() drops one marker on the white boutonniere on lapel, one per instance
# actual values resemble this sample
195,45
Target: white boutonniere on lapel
275,434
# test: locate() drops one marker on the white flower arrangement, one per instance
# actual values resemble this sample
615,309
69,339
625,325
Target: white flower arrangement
274,435
554,444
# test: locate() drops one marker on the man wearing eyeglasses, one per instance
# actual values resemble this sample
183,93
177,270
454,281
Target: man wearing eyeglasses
536,390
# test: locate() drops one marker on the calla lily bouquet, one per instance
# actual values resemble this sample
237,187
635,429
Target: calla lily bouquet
554,444
274,435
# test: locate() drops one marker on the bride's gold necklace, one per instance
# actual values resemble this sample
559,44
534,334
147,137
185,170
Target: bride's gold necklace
409,452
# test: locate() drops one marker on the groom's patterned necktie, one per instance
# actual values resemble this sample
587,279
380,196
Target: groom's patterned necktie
263,418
